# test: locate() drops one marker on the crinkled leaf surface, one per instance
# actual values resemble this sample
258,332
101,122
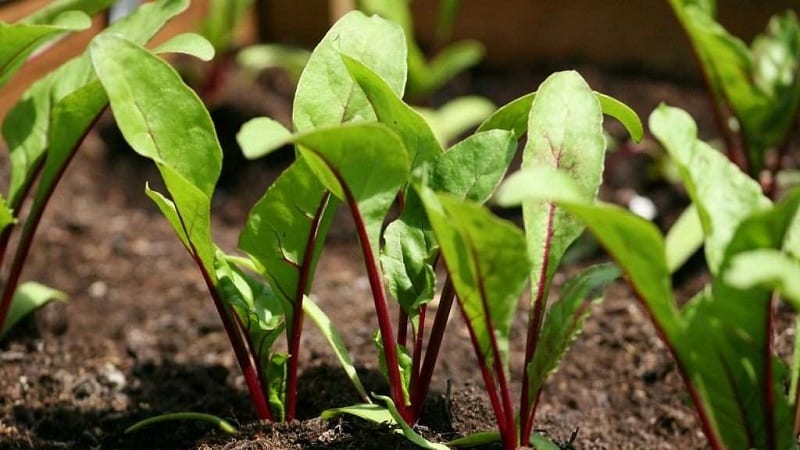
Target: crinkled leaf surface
365,164
407,257
487,262
29,297
564,322
722,194
326,94
286,228
183,145
565,131
473,168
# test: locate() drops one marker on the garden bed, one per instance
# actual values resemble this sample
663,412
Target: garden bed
140,335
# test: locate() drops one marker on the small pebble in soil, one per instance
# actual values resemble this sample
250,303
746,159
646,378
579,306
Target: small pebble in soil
112,377
98,290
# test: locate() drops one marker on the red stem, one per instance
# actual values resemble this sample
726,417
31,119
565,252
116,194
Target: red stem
402,328
733,141
378,297
714,441
303,286
488,380
420,388
31,224
240,348
527,408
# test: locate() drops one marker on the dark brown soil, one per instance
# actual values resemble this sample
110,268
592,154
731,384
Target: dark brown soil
140,336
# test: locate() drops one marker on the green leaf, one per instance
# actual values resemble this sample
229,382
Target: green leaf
335,340
514,116
167,208
565,321
256,58
408,255
406,429
404,363
476,439
263,317
622,112
565,131
367,179
6,214
743,389
55,8
27,298
684,238
221,20
285,231
758,84
722,194
326,94
28,125
419,140
189,44
487,263
184,146
388,416
261,136
424,78
473,168
769,269
457,116
222,424
635,243
540,442
20,40
276,370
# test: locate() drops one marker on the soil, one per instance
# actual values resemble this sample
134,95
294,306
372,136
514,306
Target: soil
139,335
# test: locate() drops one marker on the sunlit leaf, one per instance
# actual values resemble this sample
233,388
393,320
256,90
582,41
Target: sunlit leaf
487,262
326,94
28,298
722,194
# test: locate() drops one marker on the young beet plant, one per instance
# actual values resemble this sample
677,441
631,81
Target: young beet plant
722,338
367,166
489,261
755,90
44,129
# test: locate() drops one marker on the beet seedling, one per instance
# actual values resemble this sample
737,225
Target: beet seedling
44,129
722,339
755,91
